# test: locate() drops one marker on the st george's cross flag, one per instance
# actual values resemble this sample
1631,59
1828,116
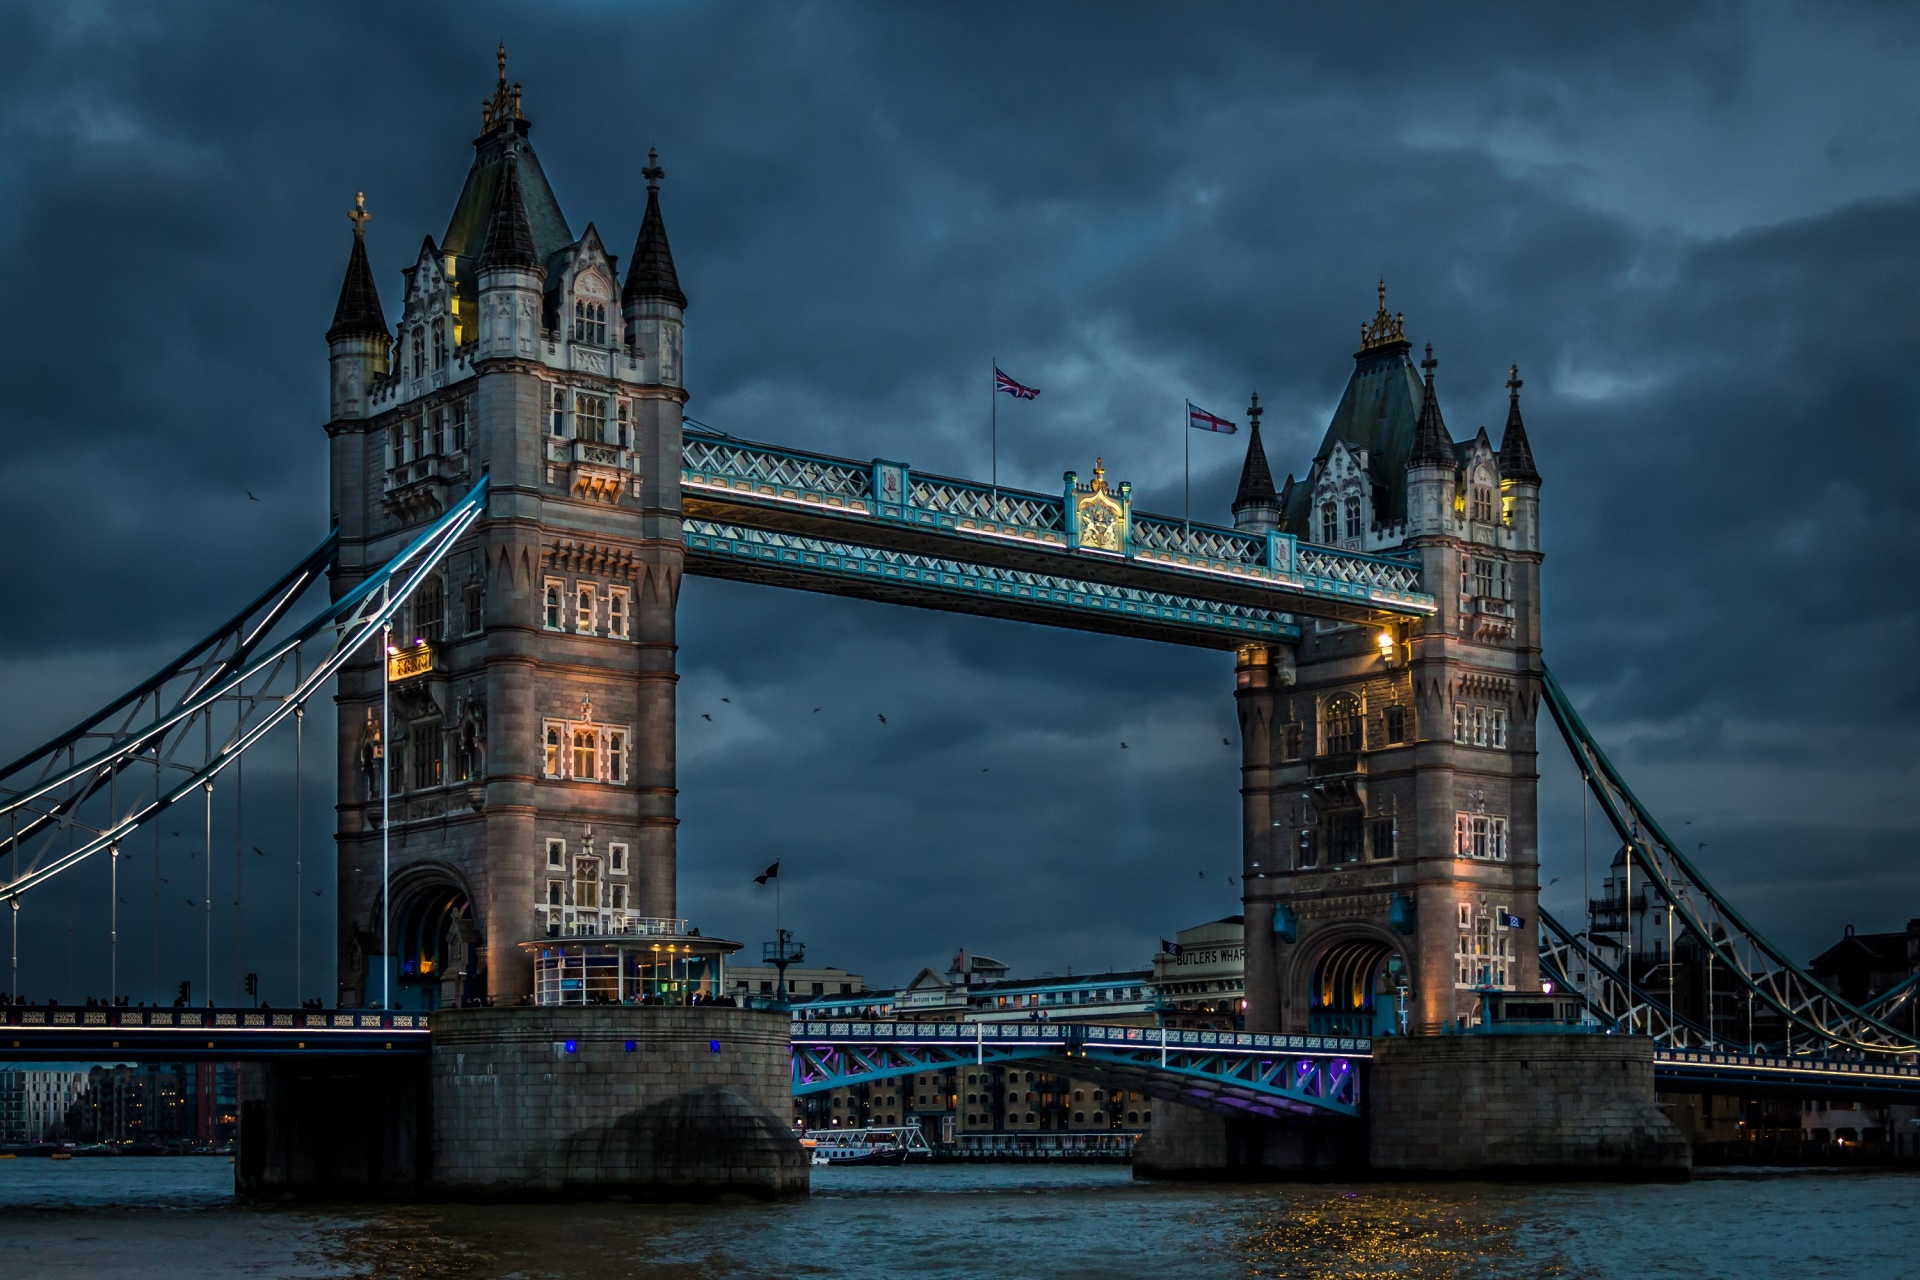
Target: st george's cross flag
1200,420
1001,382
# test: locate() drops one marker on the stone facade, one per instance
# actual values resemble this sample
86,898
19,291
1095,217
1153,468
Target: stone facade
652,1102
530,751
1562,1105
1389,775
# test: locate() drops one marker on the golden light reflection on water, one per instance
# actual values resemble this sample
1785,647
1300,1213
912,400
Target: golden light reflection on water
1391,1233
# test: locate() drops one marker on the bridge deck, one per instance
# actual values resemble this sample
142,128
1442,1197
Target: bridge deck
119,1034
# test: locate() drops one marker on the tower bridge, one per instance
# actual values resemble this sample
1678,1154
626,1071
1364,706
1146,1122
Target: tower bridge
515,498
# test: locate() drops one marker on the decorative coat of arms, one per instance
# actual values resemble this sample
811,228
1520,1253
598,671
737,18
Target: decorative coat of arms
1100,514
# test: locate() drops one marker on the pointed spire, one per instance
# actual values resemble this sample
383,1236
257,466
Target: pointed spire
509,241
1432,444
1516,455
503,109
358,313
652,274
1256,478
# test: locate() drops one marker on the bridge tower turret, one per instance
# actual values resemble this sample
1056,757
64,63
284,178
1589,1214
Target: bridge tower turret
1391,804
528,766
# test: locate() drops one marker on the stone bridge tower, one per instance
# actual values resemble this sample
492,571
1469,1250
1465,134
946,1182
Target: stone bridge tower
1389,773
530,756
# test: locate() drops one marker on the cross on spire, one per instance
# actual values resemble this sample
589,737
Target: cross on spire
358,215
501,56
1429,364
653,172
1513,383
1254,411
504,106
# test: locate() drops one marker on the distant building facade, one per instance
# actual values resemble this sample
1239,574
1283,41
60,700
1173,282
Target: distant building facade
34,1104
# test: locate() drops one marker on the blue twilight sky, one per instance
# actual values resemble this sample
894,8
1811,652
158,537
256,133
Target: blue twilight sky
1692,226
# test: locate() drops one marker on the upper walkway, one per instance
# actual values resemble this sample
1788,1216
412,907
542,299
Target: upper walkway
1082,558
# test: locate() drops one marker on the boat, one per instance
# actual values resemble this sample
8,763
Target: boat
871,1146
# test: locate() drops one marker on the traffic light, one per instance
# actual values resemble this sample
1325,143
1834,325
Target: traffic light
185,998
253,984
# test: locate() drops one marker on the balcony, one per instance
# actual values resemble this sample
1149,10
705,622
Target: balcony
425,487
595,471
1487,617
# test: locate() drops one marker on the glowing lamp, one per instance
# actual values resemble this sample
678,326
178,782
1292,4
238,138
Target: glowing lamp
1546,986
1385,641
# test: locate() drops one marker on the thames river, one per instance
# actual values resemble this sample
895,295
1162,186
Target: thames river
163,1218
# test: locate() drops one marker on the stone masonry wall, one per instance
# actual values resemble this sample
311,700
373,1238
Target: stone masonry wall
695,1108
1567,1104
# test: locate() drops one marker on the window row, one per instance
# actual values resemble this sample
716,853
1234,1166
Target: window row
1343,729
438,431
1482,836
426,754
427,616
1343,838
427,348
1476,726
1487,578
590,418
587,609
1484,952
1336,515
590,322
578,752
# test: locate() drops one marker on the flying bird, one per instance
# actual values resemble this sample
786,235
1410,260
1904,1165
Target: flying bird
176,835
250,497
883,718
193,904
1203,875
316,893
262,852
1231,880
705,716
726,699
816,711
1123,746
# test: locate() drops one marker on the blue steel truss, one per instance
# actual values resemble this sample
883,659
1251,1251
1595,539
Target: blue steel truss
82,793
1233,1073
1072,598
872,503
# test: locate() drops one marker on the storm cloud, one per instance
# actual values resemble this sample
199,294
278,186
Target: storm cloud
1692,227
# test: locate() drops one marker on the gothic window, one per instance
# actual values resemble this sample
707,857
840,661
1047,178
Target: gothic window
1479,726
584,611
590,322
1329,522
616,756
1342,735
626,429
586,883
474,618
425,750
1383,834
1483,504
556,893
590,418
1462,731
556,854
550,765
559,411
1489,578
1395,723
439,344
417,427
617,613
1480,836
396,446
1497,728
461,408
1345,831
1290,737
439,434
1309,848
584,751
419,349
551,609
617,859
1353,517
617,897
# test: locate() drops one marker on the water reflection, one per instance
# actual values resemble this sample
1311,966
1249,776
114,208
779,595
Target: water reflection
1372,1233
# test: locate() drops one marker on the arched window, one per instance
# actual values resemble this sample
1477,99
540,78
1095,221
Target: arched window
559,411
1353,517
1483,506
419,349
590,322
583,755
553,606
616,756
439,344
1329,522
551,765
1342,731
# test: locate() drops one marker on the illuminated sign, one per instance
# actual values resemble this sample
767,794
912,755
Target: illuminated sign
404,664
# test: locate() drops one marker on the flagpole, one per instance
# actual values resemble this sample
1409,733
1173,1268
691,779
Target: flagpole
1186,443
993,422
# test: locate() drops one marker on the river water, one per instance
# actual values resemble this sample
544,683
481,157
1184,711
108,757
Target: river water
157,1219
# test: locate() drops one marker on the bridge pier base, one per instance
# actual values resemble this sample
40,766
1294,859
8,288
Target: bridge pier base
1562,1105
1189,1144
333,1129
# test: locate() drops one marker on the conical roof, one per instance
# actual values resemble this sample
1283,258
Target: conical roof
358,313
1432,443
651,274
509,240
1256,477
1516,454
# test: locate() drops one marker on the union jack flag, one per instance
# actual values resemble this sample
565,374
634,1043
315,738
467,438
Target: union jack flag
1001,382
1200,420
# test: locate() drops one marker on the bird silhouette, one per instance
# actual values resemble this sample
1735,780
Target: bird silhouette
726,699
705,716
1123,746
193,904
250,497
986,771
1225,743
176,835
1231,880
164,880
816,711
1203,875
262,852
883,718
1553,882
124,902
316,893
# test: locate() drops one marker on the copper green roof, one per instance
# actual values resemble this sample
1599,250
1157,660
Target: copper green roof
466,235
1377,412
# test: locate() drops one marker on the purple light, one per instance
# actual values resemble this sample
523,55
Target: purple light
1340,1066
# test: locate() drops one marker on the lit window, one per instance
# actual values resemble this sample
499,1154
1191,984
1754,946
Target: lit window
1329,522
559,411
590,418
584,610
1353,517
552,620
616,756
551,765
583,755
1342,735
586,882
617,613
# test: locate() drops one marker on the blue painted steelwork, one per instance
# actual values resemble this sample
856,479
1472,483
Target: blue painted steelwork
1038,591
121,1034
1236,1073
871,498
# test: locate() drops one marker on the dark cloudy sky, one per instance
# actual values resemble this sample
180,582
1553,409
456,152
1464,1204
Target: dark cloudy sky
1693,227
